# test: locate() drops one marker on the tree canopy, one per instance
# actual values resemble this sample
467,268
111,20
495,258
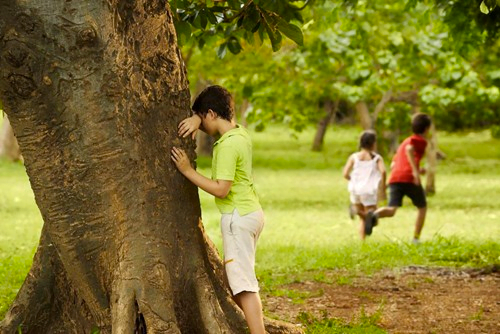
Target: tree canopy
364,51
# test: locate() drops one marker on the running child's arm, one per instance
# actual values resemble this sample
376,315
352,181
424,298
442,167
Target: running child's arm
347,168
189,125
410,154
218,188
381,168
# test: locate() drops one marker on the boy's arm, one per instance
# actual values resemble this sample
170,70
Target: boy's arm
410,154
347,168
189,125
218,188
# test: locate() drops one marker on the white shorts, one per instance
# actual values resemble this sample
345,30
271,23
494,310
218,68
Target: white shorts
239,236
365,200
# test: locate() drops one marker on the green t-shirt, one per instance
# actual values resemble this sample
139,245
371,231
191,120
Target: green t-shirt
232,161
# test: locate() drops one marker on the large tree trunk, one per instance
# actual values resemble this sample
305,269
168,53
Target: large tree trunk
9,149
94,91
330,109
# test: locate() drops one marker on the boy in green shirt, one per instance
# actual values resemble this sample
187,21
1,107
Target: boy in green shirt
232,185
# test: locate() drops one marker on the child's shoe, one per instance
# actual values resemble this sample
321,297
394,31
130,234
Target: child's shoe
370,222
416,241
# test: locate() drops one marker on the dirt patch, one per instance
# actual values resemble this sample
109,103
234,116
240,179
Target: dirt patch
411,300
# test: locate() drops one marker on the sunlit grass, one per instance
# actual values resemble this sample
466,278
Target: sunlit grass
308,230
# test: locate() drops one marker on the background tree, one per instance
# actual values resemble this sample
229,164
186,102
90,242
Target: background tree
9,149
385,60
94,91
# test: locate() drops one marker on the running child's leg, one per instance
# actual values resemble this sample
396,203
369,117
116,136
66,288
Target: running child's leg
386,211
419,224
361,211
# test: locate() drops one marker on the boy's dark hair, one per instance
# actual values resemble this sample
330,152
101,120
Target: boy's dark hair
216,98
420,122
367,139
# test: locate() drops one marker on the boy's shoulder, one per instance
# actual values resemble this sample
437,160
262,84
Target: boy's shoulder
414,139
237,139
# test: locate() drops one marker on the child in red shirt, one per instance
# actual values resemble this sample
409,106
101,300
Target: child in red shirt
405,177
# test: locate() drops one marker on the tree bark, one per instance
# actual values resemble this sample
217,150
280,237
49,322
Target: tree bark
330,109
9,149
363,115
94,91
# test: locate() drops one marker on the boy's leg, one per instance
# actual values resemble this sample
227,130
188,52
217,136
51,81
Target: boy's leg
386,211
252,308
240,234
396,193
417,195
419,224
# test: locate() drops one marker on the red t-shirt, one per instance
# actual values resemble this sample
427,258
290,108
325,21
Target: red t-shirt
401,170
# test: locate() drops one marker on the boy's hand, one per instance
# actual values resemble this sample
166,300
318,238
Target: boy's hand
416,178
189,125
181,160
383,195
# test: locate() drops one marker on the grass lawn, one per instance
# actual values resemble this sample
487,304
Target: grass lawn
308,230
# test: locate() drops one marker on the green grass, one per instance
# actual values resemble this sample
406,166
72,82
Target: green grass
308,231
365,324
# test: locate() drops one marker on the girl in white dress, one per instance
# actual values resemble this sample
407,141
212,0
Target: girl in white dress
365,171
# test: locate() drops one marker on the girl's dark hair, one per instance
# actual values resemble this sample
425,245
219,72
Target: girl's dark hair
420,122
216,98
367,139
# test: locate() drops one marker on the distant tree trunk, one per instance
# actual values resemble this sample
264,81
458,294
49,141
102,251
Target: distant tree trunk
9,149
242,112
204,144
363,115
94,91
380,106
432,154
330,109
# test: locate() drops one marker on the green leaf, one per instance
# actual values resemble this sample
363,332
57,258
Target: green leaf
291,31
221,51
211,16
203,19
275,38
251,19
484,9
183,30
234,45
201,43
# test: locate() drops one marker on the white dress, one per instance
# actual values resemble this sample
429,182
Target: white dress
365,180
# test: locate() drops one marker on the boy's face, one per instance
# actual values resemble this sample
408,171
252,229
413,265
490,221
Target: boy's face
208,123
426,132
